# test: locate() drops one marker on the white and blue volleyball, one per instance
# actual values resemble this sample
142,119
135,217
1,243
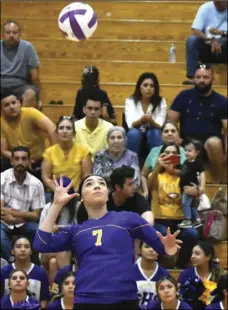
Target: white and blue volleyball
77,21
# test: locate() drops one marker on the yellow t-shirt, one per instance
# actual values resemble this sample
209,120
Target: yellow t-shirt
166,197
70,167
24,132
95,140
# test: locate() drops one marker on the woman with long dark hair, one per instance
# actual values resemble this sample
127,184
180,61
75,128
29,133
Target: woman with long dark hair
145,113
103,246
65,300
204,267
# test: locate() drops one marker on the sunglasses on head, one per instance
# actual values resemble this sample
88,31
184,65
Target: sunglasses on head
66,117
203,66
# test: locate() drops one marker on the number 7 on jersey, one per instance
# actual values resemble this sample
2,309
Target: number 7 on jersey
98,233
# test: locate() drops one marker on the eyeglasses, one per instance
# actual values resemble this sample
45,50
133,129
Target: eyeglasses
203,66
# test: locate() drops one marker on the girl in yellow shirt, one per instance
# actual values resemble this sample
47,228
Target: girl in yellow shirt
163,183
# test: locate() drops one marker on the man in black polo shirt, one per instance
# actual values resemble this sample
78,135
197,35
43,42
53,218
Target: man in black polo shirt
202,113
124,196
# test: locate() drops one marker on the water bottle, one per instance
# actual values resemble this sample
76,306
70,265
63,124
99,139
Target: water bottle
172,54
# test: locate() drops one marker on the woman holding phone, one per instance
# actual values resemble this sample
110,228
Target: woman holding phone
164,185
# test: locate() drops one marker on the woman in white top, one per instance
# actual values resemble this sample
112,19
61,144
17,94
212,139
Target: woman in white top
145,113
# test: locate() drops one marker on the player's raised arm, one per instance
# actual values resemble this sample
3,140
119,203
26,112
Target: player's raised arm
45,241
145,232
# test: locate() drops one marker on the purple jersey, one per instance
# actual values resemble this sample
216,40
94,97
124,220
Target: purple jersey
158,306
38,281
215,306
55,289
189,273
147,286
7,303
104,249
56,304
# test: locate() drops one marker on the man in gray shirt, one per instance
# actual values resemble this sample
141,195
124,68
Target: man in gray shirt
19,65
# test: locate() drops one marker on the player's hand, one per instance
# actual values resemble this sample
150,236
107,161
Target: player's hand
61,196
170,242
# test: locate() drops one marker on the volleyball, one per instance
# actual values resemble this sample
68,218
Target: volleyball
77,21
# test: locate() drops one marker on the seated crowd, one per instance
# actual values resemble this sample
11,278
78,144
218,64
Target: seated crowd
152,173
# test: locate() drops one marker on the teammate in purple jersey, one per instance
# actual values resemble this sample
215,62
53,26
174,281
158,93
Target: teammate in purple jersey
220,302
103,246
65,300
56,286
166,289
38,279
146,272
19,298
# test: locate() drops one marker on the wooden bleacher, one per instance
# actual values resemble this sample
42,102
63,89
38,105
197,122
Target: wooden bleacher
132,37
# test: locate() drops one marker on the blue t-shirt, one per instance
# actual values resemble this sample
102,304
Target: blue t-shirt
147,286
38,281
158,306
209,16
7,303
200,117
104,249
215,306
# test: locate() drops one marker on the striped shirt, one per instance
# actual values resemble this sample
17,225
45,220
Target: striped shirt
28,196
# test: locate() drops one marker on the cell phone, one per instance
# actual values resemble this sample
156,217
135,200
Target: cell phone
174,159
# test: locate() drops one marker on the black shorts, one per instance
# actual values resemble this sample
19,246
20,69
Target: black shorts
127,304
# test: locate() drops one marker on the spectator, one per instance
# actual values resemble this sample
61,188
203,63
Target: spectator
145,113
167,291
56,286
66,299
112,260
91,130
38,279
90,80
123,196
52,262
19,65
166,201
170,134
205,267
221,300
192,172
202,113
208,41
22,199
23,126
66,157
147,271
19,294
115,156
